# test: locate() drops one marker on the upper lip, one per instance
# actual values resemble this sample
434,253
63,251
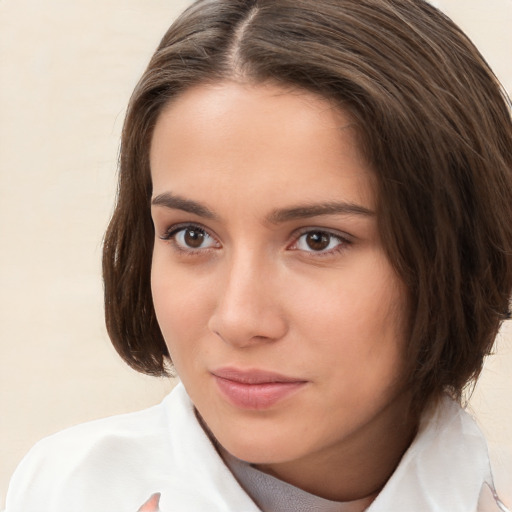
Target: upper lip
253,376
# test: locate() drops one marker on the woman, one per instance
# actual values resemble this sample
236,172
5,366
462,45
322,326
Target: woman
313,225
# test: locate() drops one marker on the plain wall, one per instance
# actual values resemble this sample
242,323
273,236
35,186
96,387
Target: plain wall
66,72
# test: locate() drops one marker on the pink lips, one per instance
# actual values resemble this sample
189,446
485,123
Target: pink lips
255,389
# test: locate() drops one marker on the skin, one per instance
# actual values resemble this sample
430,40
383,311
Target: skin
151,505
255,165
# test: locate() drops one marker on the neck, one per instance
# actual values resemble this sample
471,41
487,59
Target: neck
358,467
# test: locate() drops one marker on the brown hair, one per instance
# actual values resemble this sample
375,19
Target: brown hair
432,121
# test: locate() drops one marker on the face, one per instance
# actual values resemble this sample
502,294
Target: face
281,312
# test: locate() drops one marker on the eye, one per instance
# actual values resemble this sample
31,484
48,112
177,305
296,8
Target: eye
190,238
318,241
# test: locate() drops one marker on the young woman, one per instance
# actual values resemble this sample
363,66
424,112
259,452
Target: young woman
314,228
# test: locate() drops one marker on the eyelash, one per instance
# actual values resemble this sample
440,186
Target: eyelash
343,242
173,231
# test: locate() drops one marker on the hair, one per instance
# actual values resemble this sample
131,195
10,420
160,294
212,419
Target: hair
432,121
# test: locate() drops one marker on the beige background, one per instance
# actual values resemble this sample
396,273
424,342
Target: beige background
66,72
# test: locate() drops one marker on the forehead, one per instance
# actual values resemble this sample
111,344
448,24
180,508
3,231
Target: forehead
261,139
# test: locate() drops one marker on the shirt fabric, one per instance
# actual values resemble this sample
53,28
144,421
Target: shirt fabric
274,495
118,463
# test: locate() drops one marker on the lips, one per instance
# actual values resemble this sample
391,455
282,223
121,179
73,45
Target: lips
255,389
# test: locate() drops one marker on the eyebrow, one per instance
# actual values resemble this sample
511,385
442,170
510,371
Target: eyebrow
314,210
180,203
277,216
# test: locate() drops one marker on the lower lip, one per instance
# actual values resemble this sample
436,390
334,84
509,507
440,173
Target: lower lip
256,396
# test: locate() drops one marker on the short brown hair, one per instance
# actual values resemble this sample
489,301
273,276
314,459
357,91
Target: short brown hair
432,120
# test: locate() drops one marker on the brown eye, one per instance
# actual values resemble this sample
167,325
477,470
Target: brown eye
194,237
191,238
318,240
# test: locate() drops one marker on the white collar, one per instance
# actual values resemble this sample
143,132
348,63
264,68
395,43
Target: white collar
446,468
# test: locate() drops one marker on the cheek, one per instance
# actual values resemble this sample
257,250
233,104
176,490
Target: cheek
355,305
181,305
356,327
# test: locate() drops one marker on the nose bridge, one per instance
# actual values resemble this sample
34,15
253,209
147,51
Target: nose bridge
241,275
247,308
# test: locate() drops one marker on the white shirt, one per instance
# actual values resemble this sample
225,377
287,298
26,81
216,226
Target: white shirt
116,464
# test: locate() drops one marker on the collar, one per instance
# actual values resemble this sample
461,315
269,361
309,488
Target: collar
446,468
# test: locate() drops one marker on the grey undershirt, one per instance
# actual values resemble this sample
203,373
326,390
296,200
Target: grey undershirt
274,495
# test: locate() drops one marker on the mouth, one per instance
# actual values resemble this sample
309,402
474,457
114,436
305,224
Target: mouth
255,389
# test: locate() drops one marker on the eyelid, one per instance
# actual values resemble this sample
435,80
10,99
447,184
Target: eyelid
175,228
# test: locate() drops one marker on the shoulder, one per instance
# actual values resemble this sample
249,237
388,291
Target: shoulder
70,446
92,456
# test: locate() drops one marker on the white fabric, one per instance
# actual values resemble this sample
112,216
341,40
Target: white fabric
116,464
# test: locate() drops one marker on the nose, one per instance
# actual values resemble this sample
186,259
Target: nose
248,310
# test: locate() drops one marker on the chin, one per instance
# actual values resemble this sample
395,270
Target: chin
262,448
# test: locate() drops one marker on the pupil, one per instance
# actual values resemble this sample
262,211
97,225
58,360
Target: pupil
318,241
194,238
